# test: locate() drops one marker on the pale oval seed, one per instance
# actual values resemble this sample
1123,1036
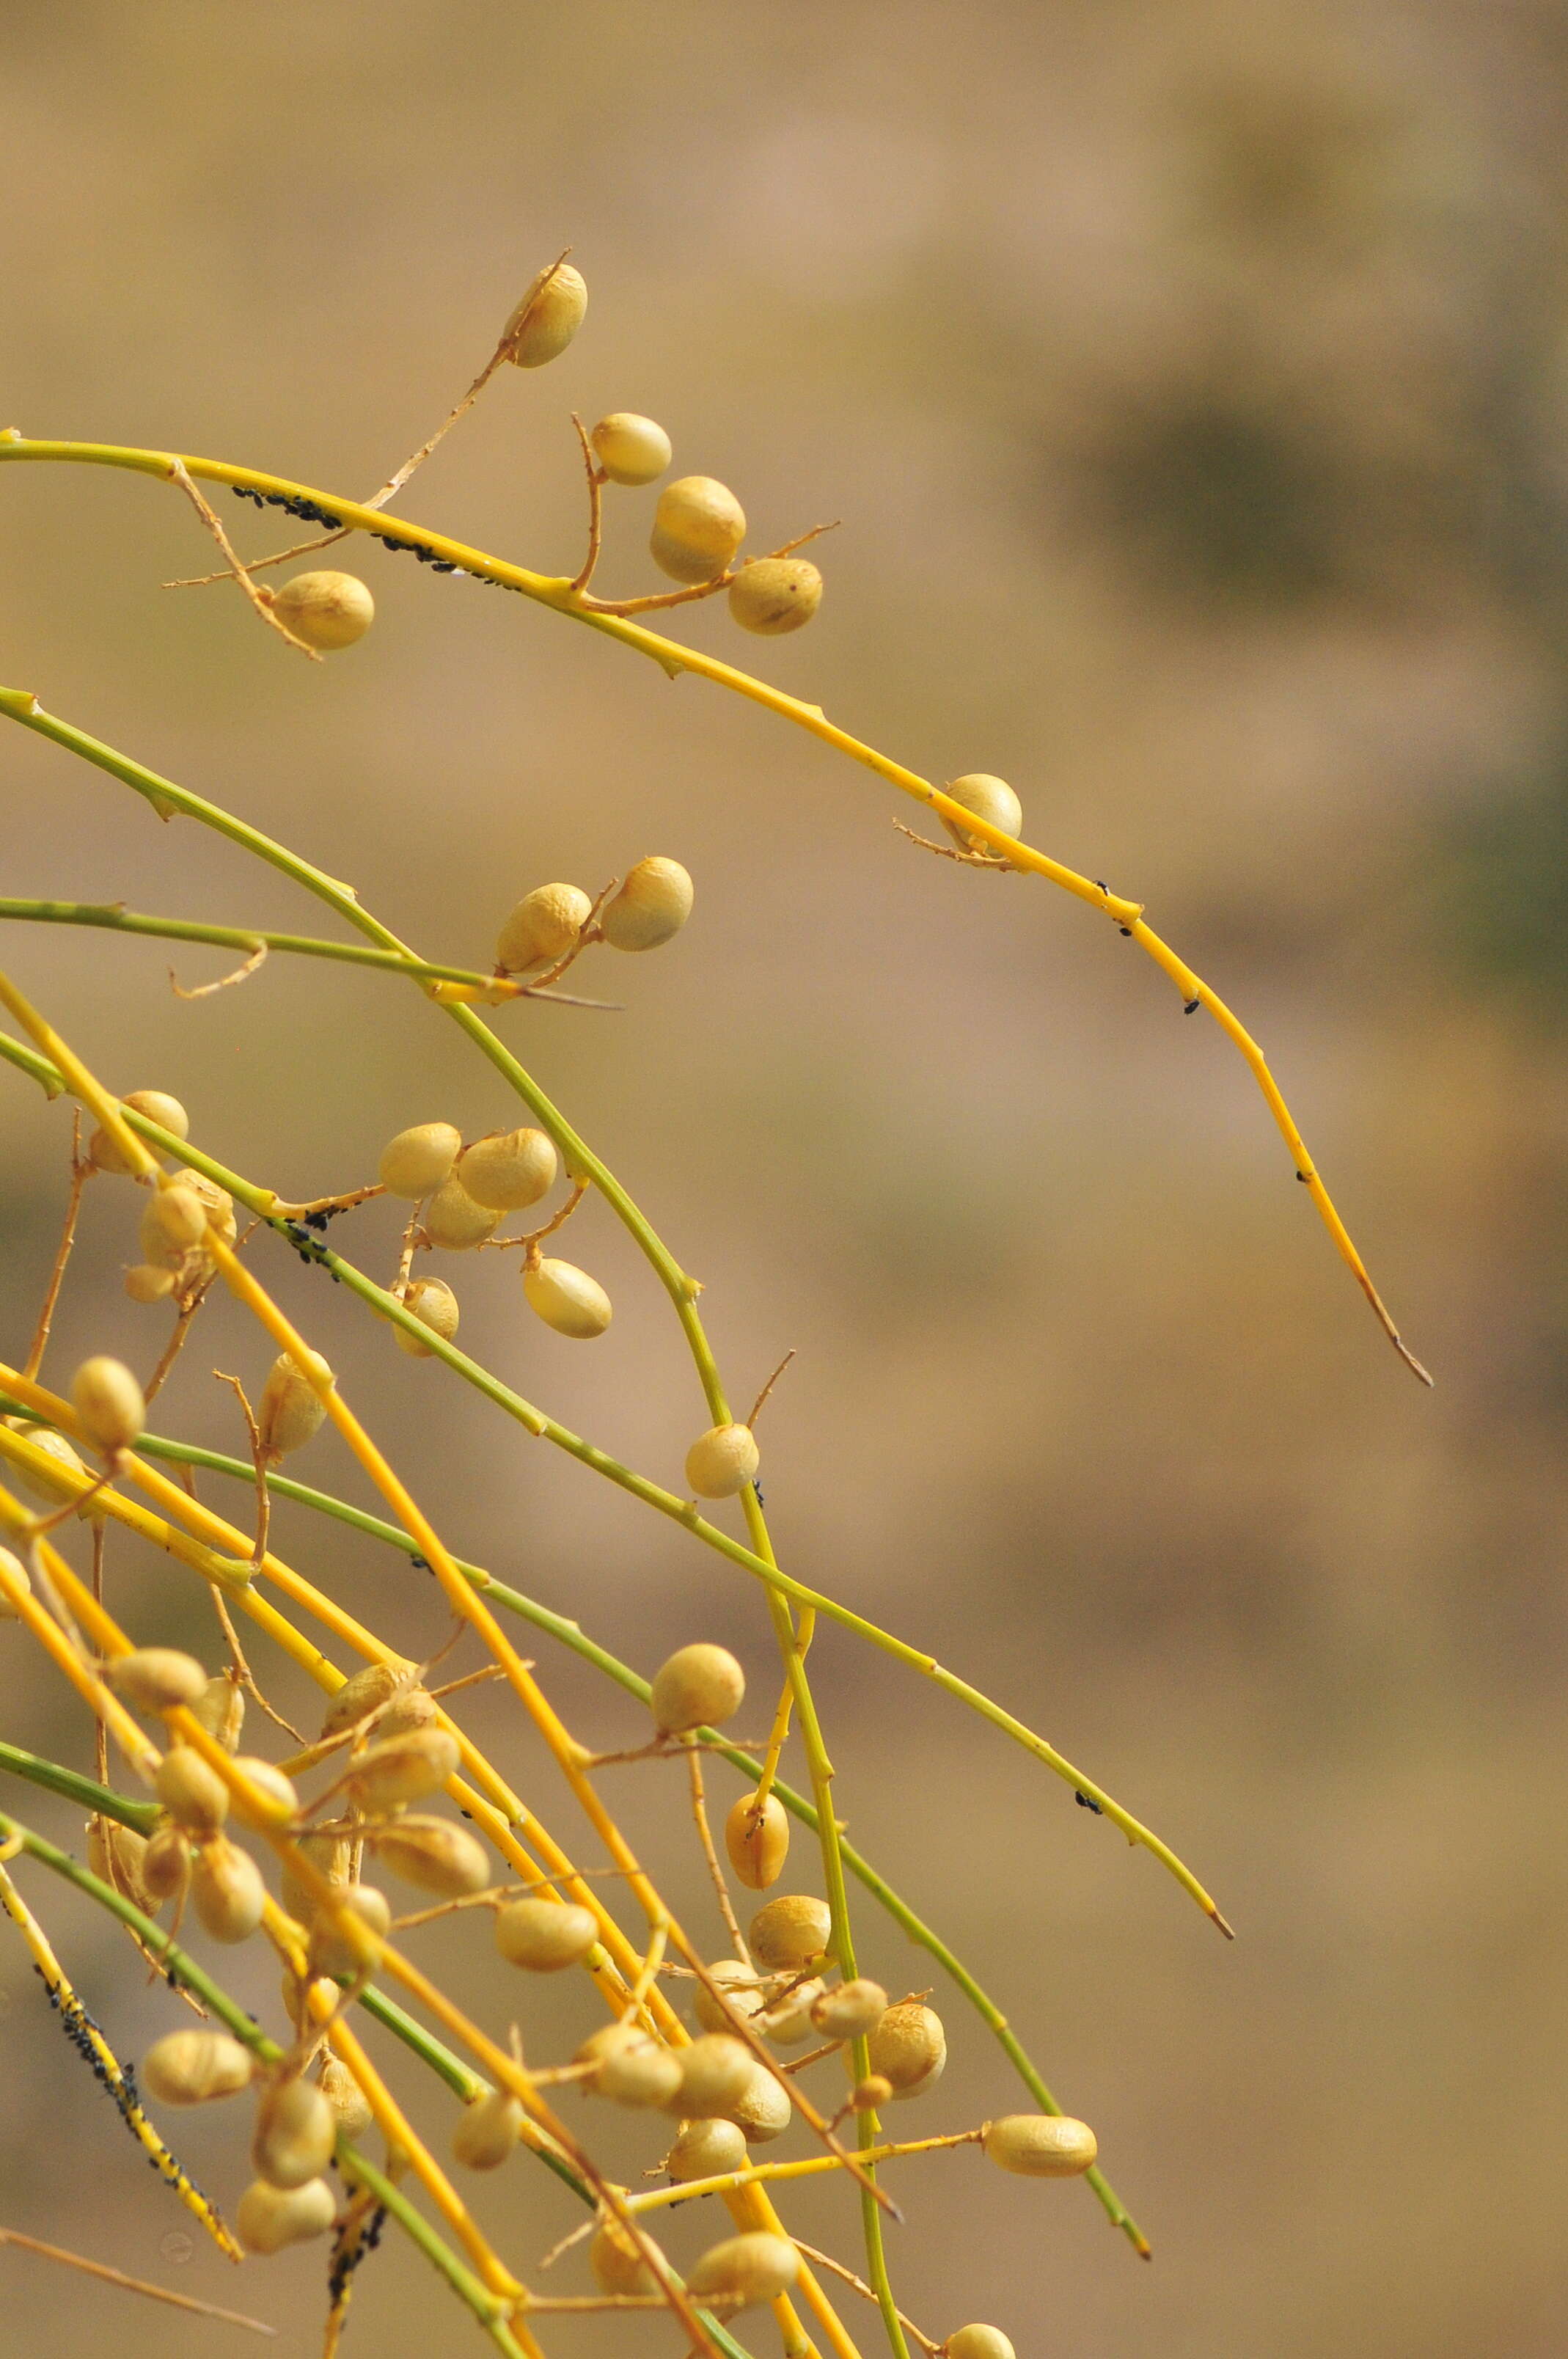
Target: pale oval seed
190,2068
509,1171
698,1685
268,2218
415,1163
326,609
544,1935
791,1932
630,449
1040,2145
721,1462
651,907
567,1299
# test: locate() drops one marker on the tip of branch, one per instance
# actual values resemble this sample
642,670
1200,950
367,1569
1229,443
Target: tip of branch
1412,1364
1226,1927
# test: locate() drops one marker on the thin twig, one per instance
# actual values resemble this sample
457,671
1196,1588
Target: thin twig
205,990
131,2285
826,2261
767,1389
80,1171
394,482
596,480
259,1460
186,1313
536,1237
246,1676
261,599
705,1836
663,598
949,851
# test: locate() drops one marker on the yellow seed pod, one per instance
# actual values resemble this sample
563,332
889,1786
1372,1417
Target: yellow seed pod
640,2077
630,449
510,1171
108,1400
145,1283
268,2218
190,2068
18,1573
296,2133
291,1409
651,907
119,1855
194,1794
869,2096
328,1854
415,1163
36,1481
364,1693
772,595
220,1709
909,2048
544,1935
541,928
617,2267
414,1708
788,2020
698,526
763,2111
705,2149
167,1865
547,317
488,2131
351,2106
791,1932
277,1788
433,1854
851,2011
721,1462
156,1678
990,798
745,2270
757,1841
696,1686
403,1769
453,1220
226,1890
610,2040
333,1949
327,610
567,1299
432,1302
174,1219
1040,2145
744,1995
715,2073
158,1106
978,2343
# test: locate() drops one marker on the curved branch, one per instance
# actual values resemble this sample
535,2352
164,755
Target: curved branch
563,597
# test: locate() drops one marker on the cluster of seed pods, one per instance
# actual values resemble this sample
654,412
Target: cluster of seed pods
387,1754
699,523
387,1750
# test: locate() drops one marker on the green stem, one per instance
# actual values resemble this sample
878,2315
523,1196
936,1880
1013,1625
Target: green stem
682,1511
112,919
181,1967
85,1792
571,1634
564,597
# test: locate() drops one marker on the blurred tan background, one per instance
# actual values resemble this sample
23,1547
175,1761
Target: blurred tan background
1194,384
